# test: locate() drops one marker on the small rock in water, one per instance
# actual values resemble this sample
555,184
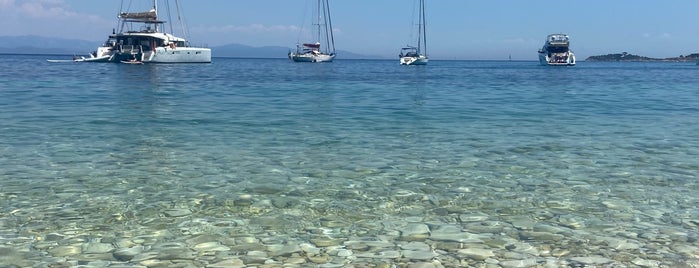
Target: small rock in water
591,260
387,254
478,254
646,263
177,212
523,223
473,217
63,251
283,250
519,263
227,264
322,241
416,246
126,254
96,248
419,254
210,246
344,253
415,231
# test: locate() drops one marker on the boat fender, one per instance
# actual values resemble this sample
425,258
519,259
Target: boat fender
172,45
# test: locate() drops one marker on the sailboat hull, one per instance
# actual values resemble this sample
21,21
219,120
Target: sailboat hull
307,57
421,60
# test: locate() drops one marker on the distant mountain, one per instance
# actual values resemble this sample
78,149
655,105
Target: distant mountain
630,57
32,44
243,51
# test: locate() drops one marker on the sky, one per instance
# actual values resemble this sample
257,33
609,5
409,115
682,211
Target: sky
456,29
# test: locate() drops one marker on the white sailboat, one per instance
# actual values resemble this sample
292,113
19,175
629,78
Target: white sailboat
417,55
323,48
150,43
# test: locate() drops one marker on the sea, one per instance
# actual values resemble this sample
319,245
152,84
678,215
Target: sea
354,163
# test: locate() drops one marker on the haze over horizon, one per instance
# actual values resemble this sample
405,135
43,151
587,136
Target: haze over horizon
456,29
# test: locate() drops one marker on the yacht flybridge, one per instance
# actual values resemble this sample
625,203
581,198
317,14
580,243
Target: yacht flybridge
556,51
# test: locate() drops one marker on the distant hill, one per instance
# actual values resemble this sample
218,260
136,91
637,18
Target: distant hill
32,44
630,57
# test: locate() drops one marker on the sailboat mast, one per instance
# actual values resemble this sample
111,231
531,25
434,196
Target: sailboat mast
422,27
318,20
330,38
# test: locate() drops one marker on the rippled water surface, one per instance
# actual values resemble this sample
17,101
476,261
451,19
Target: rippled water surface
266,163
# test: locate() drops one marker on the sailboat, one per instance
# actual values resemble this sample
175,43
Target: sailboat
150,43
323,47
416,55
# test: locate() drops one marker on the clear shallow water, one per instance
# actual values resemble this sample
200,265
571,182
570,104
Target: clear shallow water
250,161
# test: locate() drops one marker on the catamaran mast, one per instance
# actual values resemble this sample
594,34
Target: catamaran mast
155,7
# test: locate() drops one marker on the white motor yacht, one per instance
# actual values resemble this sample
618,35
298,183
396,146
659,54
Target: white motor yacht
556,51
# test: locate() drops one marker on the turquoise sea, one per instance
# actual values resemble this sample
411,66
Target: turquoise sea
269,163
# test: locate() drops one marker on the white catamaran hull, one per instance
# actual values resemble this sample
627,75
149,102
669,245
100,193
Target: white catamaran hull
421,60
308,57
177,55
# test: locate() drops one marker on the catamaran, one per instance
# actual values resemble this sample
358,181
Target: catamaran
556,51
150,43
416,55
323,49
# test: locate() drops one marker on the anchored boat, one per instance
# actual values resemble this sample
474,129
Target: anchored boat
556,51
141,38
150,44
416,55
316,51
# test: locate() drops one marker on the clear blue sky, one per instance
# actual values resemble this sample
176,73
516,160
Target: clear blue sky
457,29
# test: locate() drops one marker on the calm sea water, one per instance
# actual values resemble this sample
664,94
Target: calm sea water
595,164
